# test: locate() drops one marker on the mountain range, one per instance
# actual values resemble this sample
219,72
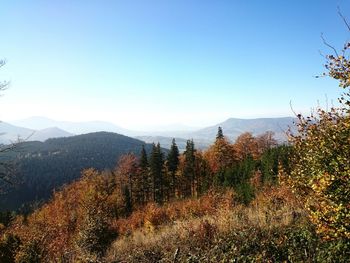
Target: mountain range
233,127
10,133
41,129
46,163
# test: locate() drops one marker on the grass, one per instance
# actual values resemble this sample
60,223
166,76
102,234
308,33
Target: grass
211,229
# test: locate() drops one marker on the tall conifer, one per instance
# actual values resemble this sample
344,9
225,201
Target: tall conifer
189,169
173,163
156,171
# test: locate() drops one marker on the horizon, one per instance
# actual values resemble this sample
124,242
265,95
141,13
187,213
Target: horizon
146,65
174,127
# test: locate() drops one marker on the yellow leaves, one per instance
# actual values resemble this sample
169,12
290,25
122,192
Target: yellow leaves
321,184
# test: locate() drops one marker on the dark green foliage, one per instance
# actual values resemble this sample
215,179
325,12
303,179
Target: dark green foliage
30,252
173,163
239,173
189,169
146,179
127,200
238,177
9,245
220,134
156,171
203,176
6,217
143,158
271,160
51,164
244,193
173,157
219,178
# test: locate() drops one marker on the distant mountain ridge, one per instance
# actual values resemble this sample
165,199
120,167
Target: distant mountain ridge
39,123
233,127
11,134
49,133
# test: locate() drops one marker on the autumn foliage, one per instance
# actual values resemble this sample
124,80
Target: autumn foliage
320,165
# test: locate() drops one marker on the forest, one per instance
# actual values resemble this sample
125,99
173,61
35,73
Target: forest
250,200
235,200
41,167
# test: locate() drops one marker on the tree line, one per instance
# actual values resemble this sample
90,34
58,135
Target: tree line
160,177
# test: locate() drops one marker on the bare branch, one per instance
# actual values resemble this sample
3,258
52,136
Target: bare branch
344,19
328,45
291,107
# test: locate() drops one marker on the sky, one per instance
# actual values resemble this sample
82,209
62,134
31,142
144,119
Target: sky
152,63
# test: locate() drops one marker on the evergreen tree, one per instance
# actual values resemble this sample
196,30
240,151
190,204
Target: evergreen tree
144,171
127,200
202,174
156,171
189,170
173,163
220,134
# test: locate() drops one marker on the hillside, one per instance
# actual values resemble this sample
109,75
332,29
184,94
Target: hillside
44,166
233,127
48,133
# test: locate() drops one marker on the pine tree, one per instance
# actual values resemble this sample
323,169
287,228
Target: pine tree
144,171
220,134
127,200
220,156
189,170
156,171
173,163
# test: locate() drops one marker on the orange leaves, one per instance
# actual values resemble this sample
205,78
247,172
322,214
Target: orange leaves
220,155
153,216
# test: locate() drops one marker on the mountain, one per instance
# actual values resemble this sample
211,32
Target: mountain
233,127
45,134
11,133
42,167
39,123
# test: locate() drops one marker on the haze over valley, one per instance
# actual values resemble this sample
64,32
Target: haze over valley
41,129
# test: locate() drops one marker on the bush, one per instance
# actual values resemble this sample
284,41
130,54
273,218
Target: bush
94,235
321,164
30,252
9,245
245,193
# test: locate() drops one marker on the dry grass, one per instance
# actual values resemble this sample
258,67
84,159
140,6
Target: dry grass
156,233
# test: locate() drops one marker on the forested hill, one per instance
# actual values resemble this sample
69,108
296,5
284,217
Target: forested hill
44,166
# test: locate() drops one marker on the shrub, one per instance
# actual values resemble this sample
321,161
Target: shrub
94,235
321,164
30,252
244,193
9,245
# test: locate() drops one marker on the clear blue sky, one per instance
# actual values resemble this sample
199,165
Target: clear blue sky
145,63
